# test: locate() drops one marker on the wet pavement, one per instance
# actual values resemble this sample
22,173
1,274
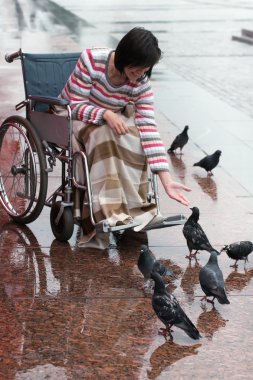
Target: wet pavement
71,313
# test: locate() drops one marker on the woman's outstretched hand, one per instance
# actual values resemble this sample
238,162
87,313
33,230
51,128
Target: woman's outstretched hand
174,189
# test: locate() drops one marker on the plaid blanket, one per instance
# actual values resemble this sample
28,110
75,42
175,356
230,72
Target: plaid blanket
118,174
119,177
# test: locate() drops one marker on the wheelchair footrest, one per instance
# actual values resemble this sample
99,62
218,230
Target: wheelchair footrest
105,227
169,221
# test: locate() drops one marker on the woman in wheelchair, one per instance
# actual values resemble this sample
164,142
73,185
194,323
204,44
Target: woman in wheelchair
112,104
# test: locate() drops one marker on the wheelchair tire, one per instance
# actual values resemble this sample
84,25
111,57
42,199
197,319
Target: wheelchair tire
65,227
23,176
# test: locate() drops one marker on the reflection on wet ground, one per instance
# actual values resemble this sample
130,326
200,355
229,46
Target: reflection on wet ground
237,280
178,165
210,322
68,307
79,312
190,279
208,186
168,353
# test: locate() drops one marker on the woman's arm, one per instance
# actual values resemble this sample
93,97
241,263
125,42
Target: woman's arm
78,89
154,147
151,141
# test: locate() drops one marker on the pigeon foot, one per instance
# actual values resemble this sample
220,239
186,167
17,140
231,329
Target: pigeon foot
210,301
207,300
192,256
166,332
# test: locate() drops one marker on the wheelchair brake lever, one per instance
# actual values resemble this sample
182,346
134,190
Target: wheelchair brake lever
51,159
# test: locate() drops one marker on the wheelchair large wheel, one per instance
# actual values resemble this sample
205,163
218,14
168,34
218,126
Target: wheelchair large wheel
64,227
23,176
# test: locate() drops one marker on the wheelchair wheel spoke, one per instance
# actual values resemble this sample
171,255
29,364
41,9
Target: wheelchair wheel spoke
22,164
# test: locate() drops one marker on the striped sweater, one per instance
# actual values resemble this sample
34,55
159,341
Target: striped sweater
90,94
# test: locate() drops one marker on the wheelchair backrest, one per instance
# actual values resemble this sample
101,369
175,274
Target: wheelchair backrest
46,74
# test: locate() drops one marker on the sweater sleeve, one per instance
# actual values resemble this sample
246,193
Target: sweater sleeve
77,90
151,141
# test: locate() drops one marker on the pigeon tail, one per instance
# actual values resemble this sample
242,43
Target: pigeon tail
222,299
189,328
211,249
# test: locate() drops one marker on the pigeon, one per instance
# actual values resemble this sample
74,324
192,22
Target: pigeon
147,263
195,236
209,162
238,251
169,311
212,282
180,141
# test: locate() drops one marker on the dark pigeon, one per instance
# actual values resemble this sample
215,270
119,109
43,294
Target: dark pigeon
180,141
239,250
209,162
212,282
147,263
169,311
195,236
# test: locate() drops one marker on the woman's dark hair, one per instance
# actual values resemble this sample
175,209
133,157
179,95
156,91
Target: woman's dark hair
138,48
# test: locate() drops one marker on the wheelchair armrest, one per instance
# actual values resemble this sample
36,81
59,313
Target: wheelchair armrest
49,100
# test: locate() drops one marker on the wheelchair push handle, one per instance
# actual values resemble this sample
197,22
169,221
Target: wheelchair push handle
11,57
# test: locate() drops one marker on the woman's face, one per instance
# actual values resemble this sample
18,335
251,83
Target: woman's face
135,73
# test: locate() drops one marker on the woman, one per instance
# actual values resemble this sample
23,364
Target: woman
102,86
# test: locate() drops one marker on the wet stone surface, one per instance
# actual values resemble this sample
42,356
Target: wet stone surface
71,313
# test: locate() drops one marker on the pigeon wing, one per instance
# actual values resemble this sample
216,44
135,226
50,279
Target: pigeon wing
201,238
203,162
166,307
176,143
246,247
196,236
161,269
208,280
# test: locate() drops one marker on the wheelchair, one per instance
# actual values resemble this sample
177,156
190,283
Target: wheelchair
31,146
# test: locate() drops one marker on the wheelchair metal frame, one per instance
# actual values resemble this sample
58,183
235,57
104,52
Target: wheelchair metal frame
55,134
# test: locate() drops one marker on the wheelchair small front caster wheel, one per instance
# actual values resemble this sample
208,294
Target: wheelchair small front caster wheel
64,227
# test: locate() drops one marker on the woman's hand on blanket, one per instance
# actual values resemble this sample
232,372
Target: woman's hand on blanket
115,122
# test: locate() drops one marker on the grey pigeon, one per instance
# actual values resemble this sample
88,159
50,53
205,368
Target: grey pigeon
238,251
212,282
194,235
180,141
209,162
169,311
147,263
